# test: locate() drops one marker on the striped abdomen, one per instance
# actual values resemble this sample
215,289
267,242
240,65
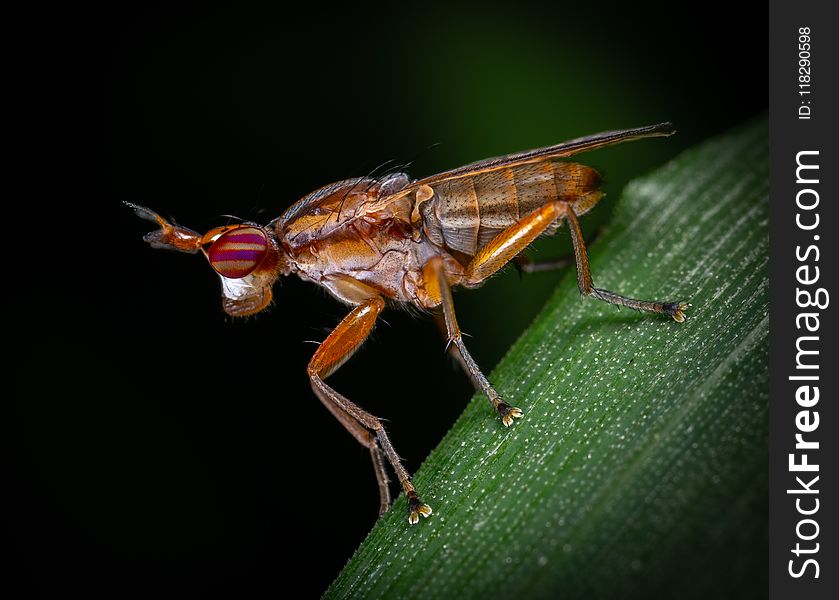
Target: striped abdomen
466,213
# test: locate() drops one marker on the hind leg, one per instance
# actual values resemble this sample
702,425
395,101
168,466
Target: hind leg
510,242
676,310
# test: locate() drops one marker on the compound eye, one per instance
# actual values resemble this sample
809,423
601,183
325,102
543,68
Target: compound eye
237,253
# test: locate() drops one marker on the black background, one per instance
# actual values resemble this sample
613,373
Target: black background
159,447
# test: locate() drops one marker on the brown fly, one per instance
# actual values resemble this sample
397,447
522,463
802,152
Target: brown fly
368,240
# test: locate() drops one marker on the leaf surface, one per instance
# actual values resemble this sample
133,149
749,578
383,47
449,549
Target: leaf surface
640,466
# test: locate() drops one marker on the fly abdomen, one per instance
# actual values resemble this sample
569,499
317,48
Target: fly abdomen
464,214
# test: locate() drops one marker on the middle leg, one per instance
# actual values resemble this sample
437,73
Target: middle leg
434,269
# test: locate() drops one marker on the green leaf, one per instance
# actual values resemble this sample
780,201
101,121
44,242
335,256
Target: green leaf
640,466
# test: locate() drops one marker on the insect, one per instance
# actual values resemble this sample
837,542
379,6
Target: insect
370,240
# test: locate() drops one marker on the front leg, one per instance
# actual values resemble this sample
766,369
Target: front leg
336,349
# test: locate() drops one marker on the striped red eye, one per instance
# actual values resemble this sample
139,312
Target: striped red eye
237,253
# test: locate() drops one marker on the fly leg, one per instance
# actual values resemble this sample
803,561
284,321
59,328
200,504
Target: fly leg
510,242
366,439
344,340
676,310
505,246
434,268
440,320
525,264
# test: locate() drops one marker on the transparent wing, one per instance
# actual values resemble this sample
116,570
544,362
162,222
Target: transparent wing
562,150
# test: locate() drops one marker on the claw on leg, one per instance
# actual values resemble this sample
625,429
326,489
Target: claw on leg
677,311
508,413
416,507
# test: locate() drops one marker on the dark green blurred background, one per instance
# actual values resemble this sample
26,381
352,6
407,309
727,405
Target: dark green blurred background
160,447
